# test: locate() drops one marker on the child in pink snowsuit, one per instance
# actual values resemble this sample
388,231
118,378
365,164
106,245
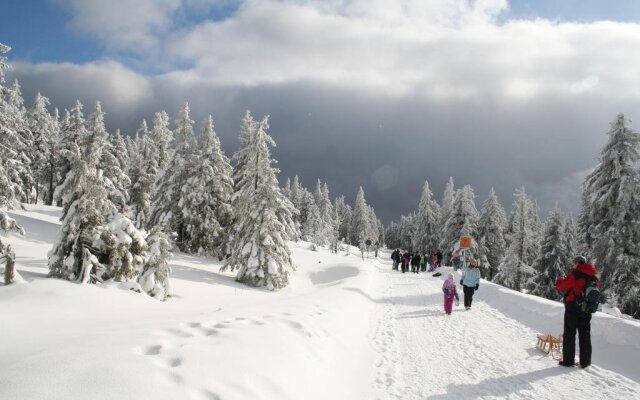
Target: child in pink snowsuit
449,290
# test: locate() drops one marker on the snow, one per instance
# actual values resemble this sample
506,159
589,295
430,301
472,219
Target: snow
345,328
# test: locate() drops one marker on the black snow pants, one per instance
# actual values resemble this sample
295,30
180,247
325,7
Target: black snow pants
574,319
468,295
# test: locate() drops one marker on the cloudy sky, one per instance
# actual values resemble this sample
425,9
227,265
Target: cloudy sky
378,93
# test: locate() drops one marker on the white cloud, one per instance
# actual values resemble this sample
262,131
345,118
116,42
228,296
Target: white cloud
110,80
440,48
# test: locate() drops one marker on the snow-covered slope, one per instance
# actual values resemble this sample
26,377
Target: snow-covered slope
346,328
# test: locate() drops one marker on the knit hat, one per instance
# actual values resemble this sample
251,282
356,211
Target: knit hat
450,276
579,259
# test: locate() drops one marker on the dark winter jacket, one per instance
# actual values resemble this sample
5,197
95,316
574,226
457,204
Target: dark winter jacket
415,260
395,256
573,284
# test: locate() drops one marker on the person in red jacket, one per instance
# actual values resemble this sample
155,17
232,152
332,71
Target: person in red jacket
575,319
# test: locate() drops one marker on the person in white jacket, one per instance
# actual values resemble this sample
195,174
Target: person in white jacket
470,282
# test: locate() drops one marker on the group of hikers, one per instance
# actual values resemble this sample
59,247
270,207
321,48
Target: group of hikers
575,288
418,261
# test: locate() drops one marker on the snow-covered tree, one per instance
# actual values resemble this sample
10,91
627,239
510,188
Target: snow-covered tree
448,198
45,130
154,279
344,214
463,221
609,222
206,198
570,235
86,207
143,174
73,130
553,261
516,266
425,236
165,209
363,225
263,216
24,150
16,143
491,235
162,138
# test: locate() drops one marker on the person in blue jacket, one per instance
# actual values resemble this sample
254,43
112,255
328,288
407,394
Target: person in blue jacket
470,282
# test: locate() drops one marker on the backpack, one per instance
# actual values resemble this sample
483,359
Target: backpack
589,300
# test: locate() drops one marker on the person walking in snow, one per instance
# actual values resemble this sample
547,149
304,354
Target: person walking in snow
406,260
572,286
395,256
470,282
415,262
450,293
423,261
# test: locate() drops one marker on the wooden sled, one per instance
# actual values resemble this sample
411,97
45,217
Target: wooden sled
548,343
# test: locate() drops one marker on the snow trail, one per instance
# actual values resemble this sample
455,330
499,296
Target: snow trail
480,353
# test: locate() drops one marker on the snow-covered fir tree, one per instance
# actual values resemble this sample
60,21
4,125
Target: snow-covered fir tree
165,209
344,214
25,149
73,130
553,260
143,172
206,198
463,221
570,235
313,229
16,143
10,191
154,279
45,130
516,266
263,217
448,198
162,139
363,225
609,222
491,235
86,207
115,178
425,236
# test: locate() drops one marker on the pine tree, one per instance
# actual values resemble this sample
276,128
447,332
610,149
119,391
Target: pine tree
491,231
516,266
463,221
44,128
262,217
10,192
162,138
361,229
16,143
344,215
86,207
609,221
143,172
206,198
25,149
73,130
155,276
426,230
553,261
166,210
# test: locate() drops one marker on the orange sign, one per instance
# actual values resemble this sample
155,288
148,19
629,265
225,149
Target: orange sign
465,242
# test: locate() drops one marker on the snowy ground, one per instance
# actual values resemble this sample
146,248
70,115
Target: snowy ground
346,328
